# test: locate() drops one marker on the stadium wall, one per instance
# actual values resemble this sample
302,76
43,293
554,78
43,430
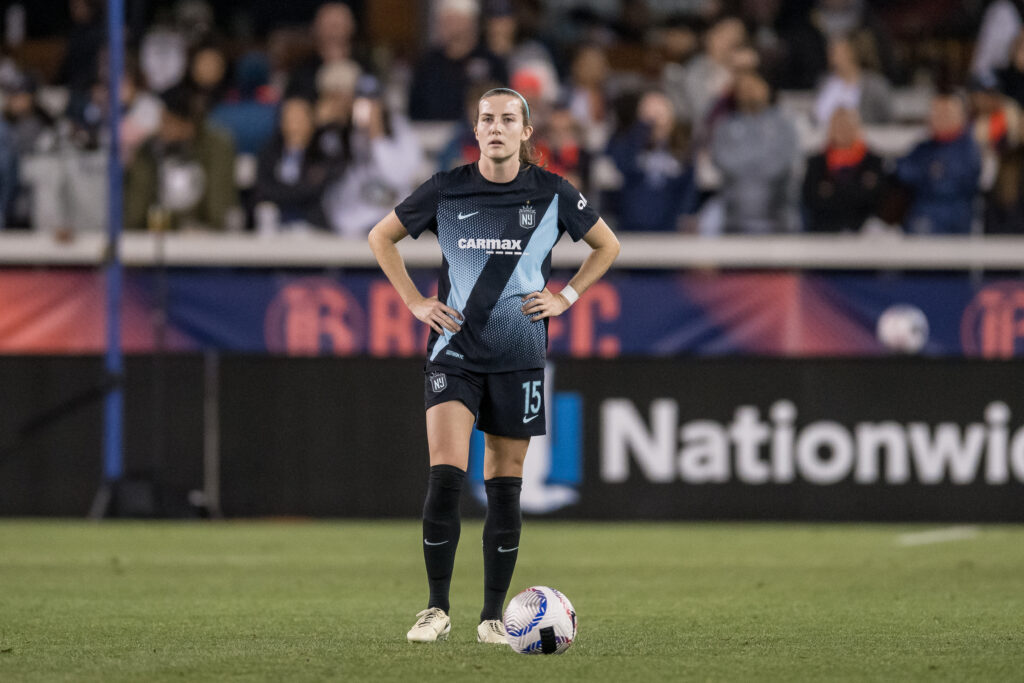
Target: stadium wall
754,438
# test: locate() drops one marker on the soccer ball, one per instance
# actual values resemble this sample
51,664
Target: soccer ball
540,621
903,328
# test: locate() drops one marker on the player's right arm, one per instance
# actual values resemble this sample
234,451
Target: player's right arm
383,242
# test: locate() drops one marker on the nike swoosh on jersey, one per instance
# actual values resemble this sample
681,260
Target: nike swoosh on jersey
532,417
425,541
506,550
463,216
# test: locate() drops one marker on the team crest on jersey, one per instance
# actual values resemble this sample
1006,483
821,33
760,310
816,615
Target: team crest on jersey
438,382
528,217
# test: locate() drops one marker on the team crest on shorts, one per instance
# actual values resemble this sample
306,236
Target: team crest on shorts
527,217
438,382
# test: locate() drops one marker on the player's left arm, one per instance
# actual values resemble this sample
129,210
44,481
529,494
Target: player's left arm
604,247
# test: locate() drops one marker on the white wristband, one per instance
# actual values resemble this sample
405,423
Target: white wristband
570,294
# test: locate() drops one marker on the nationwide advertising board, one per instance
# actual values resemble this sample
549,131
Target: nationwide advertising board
831,439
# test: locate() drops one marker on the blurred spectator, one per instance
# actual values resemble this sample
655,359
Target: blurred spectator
163,58
559,144
463,147
444,73
1004,203
333,30
1000,26
843,185
141,112
293,171
762,20
506,38
807,27
29,124
755,148
208,76
658,188
709,76
249,112
589,96
942,172
187,169
85,40
995,125
634,21
1011,78
680,42
849,86
8,172
384,160
336,88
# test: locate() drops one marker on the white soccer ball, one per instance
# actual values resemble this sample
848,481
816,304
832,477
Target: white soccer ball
540,621
903,328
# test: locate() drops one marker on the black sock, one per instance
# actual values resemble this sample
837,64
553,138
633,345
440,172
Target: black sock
441,527
501,541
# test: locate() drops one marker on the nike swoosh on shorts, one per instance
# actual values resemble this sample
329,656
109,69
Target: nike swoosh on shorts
506,550
532,417
425,541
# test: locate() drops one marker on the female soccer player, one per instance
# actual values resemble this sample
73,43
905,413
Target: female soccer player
496,221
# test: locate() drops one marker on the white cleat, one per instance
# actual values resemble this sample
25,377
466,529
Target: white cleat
491,631
431,624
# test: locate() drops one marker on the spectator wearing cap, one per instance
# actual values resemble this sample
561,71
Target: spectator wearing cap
443,75
384,158
942,172
843,185
850,86
334,29
293,171
658,186
187,170
755,149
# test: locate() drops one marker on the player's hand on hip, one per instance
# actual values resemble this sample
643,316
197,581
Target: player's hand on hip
544,304
436,314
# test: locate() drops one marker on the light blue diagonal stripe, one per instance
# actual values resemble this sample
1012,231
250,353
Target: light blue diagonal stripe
528,272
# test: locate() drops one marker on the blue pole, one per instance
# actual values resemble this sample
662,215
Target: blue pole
113,457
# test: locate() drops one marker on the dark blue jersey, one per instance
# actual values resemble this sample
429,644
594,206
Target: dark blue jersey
496,241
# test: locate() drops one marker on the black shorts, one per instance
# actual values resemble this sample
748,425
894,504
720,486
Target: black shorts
504,403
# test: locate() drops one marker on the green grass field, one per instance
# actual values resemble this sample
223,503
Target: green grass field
332,601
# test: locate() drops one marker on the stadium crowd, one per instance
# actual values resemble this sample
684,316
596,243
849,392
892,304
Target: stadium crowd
700,116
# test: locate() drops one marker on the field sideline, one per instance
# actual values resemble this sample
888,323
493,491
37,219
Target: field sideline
154,601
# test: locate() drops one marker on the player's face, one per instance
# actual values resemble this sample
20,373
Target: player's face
499,127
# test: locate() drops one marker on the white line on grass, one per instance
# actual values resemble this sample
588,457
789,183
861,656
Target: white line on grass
953,533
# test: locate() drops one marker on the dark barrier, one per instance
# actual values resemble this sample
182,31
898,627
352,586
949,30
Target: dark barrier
896,439
52,466
900,439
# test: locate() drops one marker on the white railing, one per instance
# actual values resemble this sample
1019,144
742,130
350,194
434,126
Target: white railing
645,251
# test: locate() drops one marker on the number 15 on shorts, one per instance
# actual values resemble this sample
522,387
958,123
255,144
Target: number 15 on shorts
531,400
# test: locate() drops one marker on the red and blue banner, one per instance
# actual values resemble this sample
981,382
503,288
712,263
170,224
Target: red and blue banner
356,312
